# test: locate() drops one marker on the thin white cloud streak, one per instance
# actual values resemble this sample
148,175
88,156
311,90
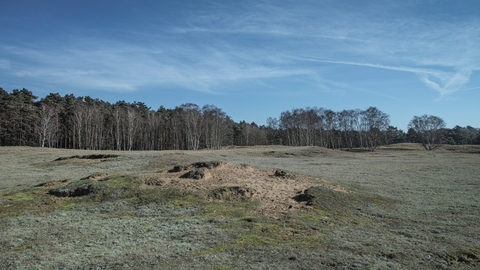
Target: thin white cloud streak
396,41
450,81
222,53
124,67
376,31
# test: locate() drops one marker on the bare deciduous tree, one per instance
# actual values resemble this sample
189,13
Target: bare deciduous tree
273,134
132,124
193,125
330,127
429,130
46,123
79,123
215,130
377,122
118,114
347,121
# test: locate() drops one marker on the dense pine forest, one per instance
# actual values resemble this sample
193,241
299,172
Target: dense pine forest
87,123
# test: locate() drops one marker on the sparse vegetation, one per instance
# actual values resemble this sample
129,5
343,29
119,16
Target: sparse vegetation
399,207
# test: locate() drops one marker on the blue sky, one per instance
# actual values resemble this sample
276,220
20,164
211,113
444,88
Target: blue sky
253,59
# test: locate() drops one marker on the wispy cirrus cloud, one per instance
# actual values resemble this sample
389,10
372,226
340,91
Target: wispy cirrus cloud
443,82
359,36
114,66
214,45
450,82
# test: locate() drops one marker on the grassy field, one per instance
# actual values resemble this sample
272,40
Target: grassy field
268,207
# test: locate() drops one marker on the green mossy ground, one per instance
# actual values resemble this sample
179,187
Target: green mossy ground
300,230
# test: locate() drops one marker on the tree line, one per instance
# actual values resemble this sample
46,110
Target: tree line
87,123
326,128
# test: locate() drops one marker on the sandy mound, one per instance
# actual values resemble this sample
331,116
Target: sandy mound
275,189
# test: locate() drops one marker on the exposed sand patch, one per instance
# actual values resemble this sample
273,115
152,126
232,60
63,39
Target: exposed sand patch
275,189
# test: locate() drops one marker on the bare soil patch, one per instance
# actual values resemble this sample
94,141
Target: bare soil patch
274,189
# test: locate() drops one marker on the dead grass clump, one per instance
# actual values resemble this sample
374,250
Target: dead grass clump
151,180
200,173
464,255
77,160
96,176
324,197
99,157
198,170
283,174
197,165
103,189
75,189
168,160
269,153
55,183
334,199
232,193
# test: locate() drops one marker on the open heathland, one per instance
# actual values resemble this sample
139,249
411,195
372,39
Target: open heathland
264,207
